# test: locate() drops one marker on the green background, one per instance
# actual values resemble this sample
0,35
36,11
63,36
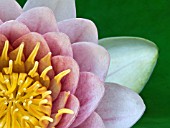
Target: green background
149,19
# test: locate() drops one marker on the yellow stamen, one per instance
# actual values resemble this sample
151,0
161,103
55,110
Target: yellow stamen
31,59
9,69
33,72
25,99
61,112
4,55
61,75
20,53
44,73
21,78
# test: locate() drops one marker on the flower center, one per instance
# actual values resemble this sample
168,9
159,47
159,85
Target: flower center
25,99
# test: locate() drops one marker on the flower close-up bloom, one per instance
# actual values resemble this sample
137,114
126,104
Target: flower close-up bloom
55,73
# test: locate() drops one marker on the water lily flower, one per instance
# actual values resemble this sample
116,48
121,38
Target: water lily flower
53,71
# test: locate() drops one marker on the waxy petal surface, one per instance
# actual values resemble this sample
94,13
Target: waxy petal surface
37,20
63,9
132,61
79,30
90,90
9,10
30,40
13,30
120,106
91,58
93,121
61,63
59,44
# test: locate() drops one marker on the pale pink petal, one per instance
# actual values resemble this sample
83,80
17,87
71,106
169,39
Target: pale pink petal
13,30
63,9
67,119
59,44
90,90
61,63
79,30
40,19
9,10
91,58
120,107
93,121
30,40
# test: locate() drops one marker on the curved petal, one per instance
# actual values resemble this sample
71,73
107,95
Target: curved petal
67,120
61,63
63,9
13,30
40,19
9,10
90,90
59,44
91,58
132,61
120,107
93,121
30,40
79,30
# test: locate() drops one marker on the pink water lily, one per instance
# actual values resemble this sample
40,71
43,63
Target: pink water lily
53,71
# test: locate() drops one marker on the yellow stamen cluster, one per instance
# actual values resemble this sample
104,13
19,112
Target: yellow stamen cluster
25,101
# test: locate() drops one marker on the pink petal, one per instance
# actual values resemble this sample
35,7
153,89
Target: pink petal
61,63
30,40
13,30
59,44
91,58
79,30
67,119
120,107
1,22
9,10
39,20
93,121
63,9
90,90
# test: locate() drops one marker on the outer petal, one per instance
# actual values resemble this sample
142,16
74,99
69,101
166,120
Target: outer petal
13,30
63,9
132,61
30,40
9,10
59,44
61,63
120,107
90,90
94,121
79,30
39,20
91,58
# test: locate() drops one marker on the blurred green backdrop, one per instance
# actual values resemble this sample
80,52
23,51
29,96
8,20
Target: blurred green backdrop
149,19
